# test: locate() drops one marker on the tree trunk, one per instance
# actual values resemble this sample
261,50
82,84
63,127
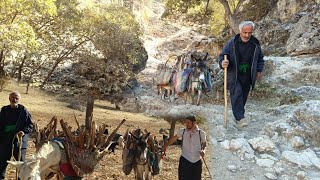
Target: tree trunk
234,24
20,68
50,73
232,20
89,111
172,128
28,83
2,62
206,10
27,88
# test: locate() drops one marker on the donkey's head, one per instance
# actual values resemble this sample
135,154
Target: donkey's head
28,170
141,150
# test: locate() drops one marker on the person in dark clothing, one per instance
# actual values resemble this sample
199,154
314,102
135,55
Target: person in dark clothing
15,122
193,149
245,64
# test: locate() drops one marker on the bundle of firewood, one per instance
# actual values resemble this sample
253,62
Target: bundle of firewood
94,138
84,147
45,134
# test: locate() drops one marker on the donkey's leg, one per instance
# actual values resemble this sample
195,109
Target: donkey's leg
158,89
199,97
162,92
146,171
186,97
139,172
193,91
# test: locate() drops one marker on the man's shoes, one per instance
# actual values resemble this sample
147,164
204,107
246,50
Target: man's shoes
243,122
236,124
240,124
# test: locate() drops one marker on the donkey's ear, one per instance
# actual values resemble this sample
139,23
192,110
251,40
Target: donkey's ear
135,137
147,136
33,164
126,134
16,164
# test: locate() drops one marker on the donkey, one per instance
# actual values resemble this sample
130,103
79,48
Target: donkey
139,154
166,91
45,161
197,84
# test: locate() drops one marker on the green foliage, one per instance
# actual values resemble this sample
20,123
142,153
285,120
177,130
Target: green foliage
200,119
217,20
123,17
115,47
196,12
16,33
233,5
174,7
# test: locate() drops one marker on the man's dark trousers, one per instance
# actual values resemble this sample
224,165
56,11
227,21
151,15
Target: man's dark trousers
188,170
239,96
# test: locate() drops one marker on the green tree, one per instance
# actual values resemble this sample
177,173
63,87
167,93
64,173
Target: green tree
62,35
17,37
108,61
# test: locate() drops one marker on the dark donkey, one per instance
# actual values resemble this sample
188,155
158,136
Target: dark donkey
136,154
199,79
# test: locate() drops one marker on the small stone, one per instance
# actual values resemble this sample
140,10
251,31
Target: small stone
297,142
232,168
270,176
301,175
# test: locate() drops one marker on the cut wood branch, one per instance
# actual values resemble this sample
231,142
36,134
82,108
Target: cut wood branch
93,134
45,134
75,118
67,131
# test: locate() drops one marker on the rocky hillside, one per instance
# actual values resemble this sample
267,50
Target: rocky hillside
291,28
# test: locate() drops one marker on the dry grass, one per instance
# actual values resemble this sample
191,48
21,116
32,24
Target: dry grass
44,106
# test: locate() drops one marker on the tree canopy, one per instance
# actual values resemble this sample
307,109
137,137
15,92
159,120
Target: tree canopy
220,14
101,40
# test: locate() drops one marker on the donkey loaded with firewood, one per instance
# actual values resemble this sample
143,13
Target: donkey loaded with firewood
190,77
69,154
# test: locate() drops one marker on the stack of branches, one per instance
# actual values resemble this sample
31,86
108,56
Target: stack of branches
84,147
47,133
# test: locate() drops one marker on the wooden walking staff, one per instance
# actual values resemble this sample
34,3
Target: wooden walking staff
225,96
19,154
207,168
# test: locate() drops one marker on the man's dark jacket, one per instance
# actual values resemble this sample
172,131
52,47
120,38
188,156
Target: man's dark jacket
24,123
230,50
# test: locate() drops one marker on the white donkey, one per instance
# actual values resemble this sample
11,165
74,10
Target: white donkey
45,161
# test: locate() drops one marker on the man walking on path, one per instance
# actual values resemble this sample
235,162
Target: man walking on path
245,64
15,122
193,149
